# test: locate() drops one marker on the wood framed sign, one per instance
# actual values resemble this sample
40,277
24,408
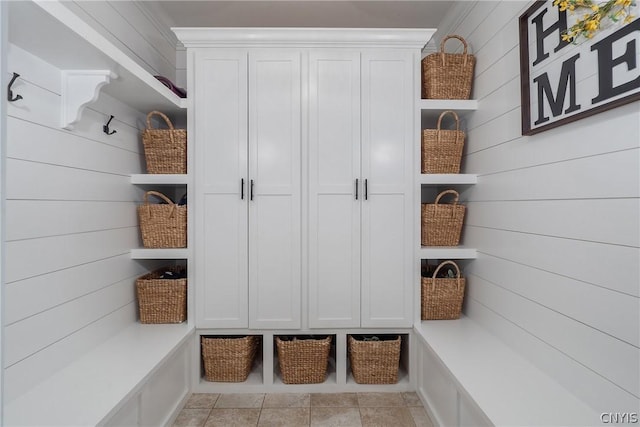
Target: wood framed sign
562,81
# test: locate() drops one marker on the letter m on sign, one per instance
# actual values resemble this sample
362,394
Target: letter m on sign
567,82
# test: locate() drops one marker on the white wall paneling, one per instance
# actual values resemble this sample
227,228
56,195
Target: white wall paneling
3,140
58,322
561,367
71,209
613,270
71,213
554,218
567,335
131,27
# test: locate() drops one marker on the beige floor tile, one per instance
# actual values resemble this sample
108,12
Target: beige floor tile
240,400
386,417
334,399
287,400
191,418
380,400
335,417
420,417
284,417
233,417
201,400
411,399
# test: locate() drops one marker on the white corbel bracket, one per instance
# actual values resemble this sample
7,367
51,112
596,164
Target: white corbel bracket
79,89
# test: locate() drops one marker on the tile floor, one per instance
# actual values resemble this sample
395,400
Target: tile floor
304,409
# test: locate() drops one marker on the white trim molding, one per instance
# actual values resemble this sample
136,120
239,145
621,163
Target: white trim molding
316,37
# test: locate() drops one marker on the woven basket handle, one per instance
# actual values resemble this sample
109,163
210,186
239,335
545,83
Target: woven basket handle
158,113
453,36
455,201
169,124
457,119
435,274
161,196
157,194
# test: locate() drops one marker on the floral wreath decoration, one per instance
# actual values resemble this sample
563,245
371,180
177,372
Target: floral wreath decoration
592,22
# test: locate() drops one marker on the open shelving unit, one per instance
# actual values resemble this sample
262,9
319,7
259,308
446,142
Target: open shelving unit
429,109
265,375
428,185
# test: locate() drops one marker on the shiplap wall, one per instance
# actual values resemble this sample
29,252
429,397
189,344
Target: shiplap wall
555,218
3,130
134,29
70,208
70,223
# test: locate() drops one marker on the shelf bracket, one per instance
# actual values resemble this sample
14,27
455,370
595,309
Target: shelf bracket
79,89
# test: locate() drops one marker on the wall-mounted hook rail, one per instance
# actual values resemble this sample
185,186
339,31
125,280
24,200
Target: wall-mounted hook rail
10,96
105,128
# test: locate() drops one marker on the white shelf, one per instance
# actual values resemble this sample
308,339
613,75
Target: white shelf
448,179
448,252
160,179
50,31
178,253
448,104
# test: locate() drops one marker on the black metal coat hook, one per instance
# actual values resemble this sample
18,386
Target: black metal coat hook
105,128
10,96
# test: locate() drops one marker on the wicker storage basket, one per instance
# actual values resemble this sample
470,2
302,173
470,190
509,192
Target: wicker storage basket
442,296
442,148
162,225
162,300
228,359
448,75
165,150
374,362
442,223
303,361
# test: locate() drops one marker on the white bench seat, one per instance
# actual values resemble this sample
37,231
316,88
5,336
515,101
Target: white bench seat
99,383
499,384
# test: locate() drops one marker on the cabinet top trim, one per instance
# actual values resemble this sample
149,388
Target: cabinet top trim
415,38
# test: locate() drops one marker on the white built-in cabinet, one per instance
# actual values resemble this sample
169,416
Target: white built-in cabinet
248,132
304,144
360,188
304,189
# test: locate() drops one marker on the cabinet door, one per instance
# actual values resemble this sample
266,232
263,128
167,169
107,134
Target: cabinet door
274,173
334,210
221,166
387,130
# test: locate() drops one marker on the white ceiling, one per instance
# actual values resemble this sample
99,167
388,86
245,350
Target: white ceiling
304,13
